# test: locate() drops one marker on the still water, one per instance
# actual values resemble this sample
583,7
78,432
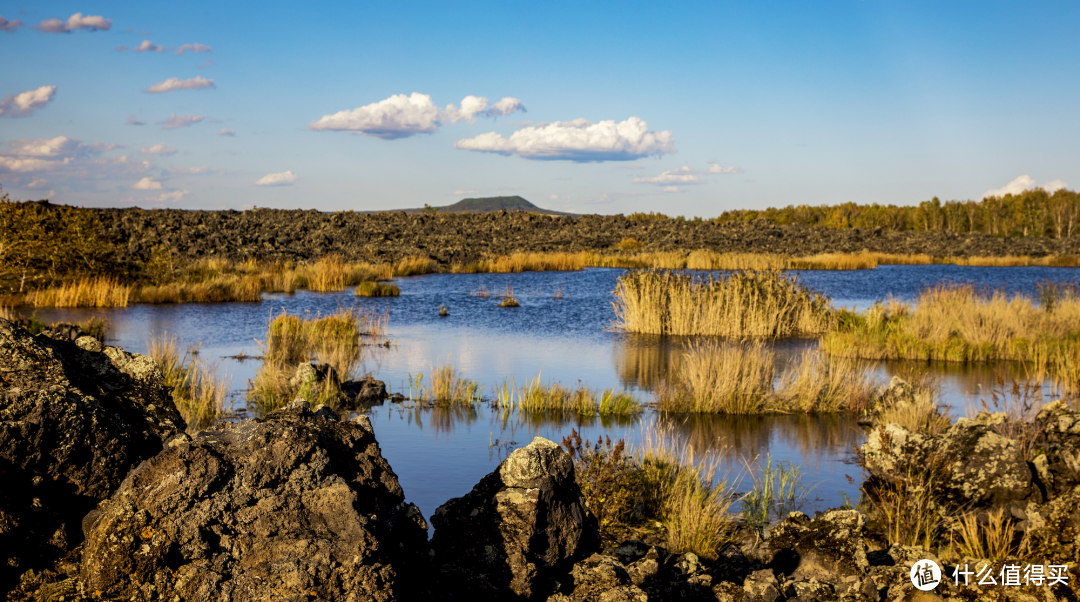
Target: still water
439,454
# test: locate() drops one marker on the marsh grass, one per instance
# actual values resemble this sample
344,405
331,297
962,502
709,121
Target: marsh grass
905,511
199,394
660,482
537,397
1020,402
736,305
449,388
376,289
722,377
508,298
777,490
335,339
99,291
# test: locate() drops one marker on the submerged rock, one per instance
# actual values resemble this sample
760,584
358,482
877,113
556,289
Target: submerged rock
286,507
518,531
75,418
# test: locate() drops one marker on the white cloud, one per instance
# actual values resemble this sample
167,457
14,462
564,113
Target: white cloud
226,133
10,26
671,189
179,121
578,140
173,83
192,48
396,117
132,120
191,171
25,103
506,106
146,183
76,21
285,178
402,116
681,175
38,183
148,46
169,197
554,197
1054,185
158,149
716,168
1022,183
68,159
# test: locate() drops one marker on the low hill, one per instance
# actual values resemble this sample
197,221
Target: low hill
488,204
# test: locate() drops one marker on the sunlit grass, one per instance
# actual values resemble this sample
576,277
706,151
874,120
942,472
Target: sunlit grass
99,291
198,392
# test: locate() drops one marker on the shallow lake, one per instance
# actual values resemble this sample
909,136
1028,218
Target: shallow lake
439,454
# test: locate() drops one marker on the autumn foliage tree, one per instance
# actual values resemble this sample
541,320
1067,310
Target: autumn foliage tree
50,240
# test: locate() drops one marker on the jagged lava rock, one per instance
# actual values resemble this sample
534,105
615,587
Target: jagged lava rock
293,505
75,418
519,530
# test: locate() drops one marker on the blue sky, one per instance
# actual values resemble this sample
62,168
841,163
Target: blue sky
688,108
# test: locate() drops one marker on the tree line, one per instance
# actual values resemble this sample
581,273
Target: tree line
1030,213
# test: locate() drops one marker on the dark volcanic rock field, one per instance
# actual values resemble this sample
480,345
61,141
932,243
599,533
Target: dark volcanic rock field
466,237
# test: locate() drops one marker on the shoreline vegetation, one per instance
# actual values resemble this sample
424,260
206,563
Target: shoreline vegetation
218,280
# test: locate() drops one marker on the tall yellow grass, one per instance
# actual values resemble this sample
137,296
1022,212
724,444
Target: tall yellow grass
198,392
740,304
98,291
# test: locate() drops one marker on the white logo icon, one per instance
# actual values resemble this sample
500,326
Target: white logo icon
925,575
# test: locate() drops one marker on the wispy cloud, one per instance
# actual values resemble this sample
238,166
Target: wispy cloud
173,83
25,103
716,168
681,175
132,120
10,26
1023,183
285,178
224,132
146,183
179,121
191,171
68,159
158,149
148,46
76,22
192,48
169,197
579,140
209,62
401,116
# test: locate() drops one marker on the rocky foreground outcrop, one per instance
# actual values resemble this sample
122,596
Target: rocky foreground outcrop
468,237
294,505
518,531
75,418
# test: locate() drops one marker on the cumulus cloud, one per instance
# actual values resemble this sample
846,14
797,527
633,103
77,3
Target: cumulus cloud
681,175
672,189
179,121
148,46
10,26
1022,183
173,83
578,140
38,183
146,183
716,168
132,120
25,103
169,197
74,22
192,48
158,149
402,116
285,178
224,132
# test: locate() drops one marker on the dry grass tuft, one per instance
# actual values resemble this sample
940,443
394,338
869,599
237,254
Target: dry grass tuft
99,291
199,395
376,289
